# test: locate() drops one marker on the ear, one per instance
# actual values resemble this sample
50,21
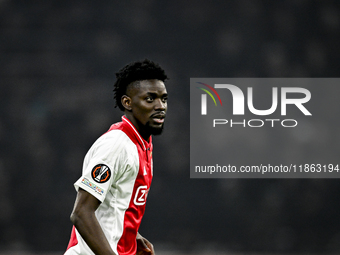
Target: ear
126,102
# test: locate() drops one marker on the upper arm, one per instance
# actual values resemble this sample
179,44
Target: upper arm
85,203
85,221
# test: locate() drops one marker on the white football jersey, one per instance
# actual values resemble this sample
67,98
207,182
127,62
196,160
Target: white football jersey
117,170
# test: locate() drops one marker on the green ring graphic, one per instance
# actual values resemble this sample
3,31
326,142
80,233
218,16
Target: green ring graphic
209,95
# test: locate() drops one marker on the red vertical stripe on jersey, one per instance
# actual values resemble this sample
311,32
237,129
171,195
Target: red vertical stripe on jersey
133,215
73,240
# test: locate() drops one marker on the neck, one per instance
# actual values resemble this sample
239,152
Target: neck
145,135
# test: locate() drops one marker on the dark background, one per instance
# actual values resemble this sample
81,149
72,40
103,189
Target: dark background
58,60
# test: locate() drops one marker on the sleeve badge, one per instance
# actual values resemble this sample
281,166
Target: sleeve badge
101,173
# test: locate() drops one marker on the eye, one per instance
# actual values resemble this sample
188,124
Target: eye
165,99
149,99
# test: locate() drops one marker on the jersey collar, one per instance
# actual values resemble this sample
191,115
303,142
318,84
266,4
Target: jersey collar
144,144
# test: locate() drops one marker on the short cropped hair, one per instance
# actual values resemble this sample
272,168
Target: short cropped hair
136,71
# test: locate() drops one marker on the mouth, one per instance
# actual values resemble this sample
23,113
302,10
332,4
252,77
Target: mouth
158,118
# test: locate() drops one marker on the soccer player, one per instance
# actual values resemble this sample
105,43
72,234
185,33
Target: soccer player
118,168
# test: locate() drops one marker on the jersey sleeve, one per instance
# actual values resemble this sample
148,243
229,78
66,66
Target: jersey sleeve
103,164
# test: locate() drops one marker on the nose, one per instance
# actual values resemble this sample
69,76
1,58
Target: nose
160,105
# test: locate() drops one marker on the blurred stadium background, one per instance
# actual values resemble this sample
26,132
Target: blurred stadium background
58,60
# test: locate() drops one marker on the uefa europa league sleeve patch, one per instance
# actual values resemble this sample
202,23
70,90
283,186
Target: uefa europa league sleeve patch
101,173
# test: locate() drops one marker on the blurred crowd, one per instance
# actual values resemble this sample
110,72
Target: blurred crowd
58,63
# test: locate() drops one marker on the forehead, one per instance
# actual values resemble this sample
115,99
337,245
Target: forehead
146,86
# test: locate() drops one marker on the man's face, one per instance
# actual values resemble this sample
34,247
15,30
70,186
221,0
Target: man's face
148,105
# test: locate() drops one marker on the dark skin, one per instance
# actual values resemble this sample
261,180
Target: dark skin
84,219
145,106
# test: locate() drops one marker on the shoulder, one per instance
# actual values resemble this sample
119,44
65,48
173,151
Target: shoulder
114,149
119,151
114,140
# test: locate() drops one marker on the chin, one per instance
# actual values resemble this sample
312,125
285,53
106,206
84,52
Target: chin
155,130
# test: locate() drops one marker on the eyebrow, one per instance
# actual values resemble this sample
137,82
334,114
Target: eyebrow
155,94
